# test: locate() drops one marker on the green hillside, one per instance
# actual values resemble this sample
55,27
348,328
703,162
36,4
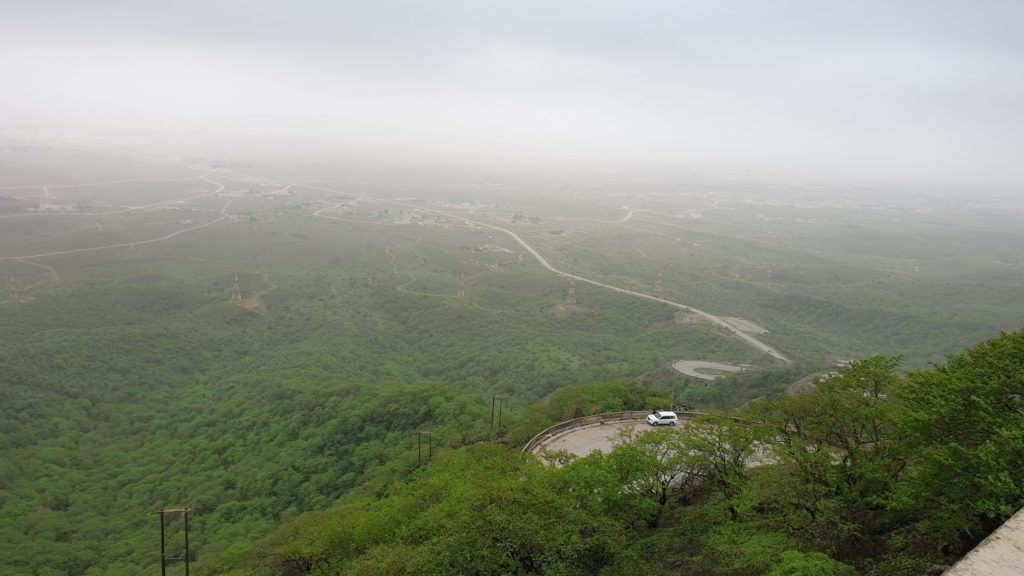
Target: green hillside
870,473
122,395
134,376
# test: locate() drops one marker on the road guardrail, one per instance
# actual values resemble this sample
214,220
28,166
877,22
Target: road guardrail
556,429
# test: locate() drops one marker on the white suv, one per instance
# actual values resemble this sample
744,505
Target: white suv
661,418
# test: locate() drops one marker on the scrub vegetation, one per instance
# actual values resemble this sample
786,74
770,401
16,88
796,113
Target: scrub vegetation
869,472
133,376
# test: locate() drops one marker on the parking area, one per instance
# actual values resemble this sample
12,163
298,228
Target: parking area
583,441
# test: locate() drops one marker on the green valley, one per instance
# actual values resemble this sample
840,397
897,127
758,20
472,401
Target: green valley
264,350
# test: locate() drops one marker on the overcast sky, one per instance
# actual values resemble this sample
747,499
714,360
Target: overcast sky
924,90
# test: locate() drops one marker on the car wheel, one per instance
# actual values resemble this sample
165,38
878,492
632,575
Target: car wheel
671,423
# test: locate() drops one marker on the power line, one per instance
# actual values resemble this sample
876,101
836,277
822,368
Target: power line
185,512
419,446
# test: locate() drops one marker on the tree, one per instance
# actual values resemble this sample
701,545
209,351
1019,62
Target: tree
303,546
965,421
649,464
719,450
839,451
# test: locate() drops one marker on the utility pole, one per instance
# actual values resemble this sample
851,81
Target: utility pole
570,299
419,447
185,512
499,399
236,294
163,547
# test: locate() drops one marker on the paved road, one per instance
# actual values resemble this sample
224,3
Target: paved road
699,369
583,441
746,338
721,322
202,177
1001,554
223,216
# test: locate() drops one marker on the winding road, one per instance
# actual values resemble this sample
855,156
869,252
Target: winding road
716,320
223,216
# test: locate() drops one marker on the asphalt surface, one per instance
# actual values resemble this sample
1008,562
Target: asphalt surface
702,370
736,332
583,441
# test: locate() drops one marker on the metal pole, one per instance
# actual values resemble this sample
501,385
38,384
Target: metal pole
492,415
163,551
501,400
186,540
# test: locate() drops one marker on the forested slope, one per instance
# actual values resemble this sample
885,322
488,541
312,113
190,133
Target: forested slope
119,395
132,382
869,473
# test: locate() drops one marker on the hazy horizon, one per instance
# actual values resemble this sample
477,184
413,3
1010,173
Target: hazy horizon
918,92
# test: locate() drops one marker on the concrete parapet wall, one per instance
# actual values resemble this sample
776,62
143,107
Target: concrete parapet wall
1001,554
